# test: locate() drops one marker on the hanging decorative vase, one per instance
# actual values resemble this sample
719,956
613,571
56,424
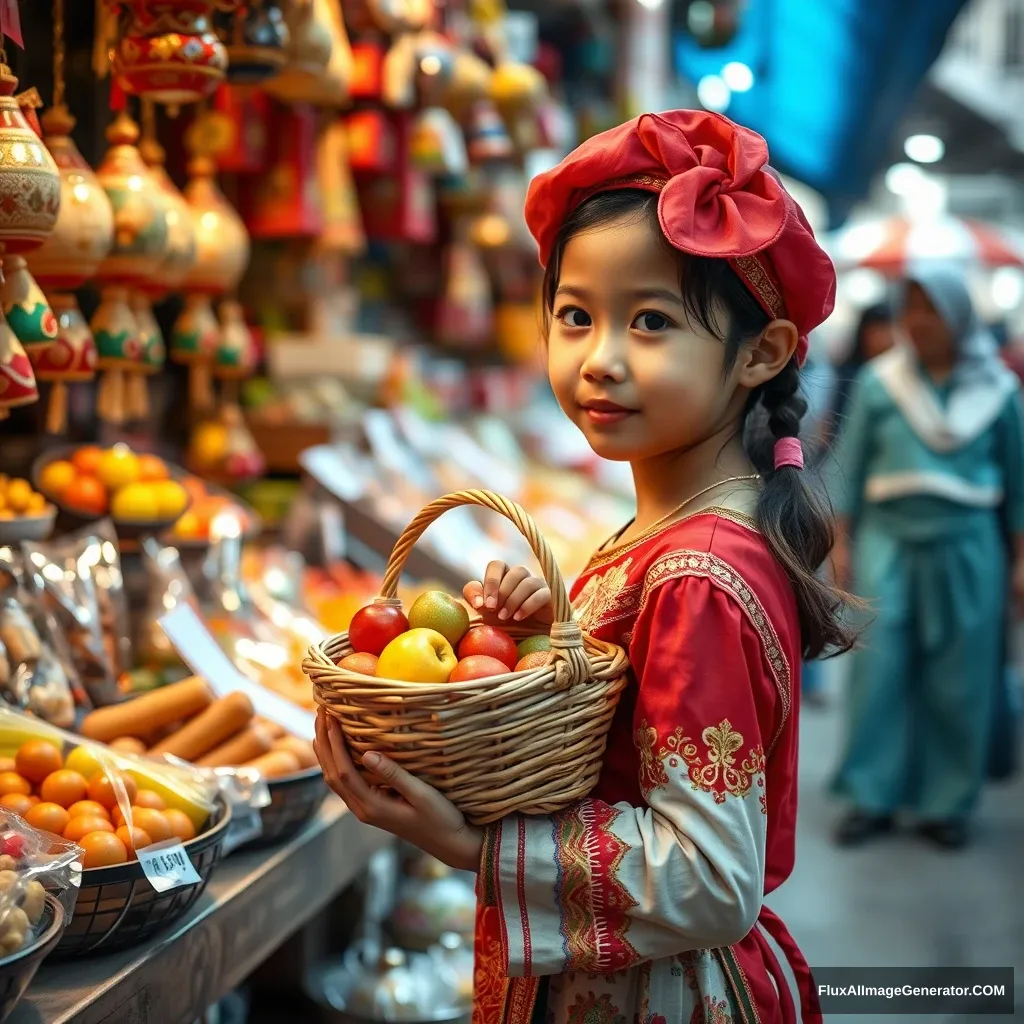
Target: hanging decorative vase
139,248
25,307
68,360
236,350
318,58
17,382
255,38
180,253
151,357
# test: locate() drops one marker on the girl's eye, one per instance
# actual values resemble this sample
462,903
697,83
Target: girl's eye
573,316
652,322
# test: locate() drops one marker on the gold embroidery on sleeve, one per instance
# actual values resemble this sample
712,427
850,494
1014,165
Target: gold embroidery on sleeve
606,597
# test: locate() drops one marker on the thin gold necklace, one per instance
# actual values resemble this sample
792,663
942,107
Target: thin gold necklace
693,497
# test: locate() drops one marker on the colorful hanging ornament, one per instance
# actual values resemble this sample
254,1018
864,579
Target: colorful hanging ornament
343,225
139,248
222,254
168,52
465,314
488,139
318,57
256,37
236,350
25,307
70,359
152,355
17,381
245,111
438,146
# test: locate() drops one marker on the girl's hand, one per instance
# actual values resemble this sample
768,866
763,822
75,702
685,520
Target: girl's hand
416,812
510,594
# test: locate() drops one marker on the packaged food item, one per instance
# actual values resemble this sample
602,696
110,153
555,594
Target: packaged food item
32,863
168,587
79,581
36,670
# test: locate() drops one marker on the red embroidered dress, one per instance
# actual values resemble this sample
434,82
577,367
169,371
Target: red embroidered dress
644,902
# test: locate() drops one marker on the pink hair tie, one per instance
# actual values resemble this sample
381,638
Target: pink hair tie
789,452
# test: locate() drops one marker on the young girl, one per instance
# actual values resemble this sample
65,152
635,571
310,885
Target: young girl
681,281
932,451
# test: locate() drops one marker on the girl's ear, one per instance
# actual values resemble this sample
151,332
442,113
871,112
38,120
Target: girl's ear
767,357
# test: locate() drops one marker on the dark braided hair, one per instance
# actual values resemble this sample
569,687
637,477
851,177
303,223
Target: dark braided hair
795,518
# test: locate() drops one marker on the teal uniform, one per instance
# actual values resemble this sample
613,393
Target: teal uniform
928,513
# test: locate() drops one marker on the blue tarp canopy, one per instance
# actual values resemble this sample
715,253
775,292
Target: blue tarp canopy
832,78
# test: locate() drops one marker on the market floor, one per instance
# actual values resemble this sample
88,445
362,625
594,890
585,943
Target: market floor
898,901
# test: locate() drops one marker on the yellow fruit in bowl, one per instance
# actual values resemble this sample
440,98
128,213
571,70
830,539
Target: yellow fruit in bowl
118,467
190,527
19,494
135,503
171,498
55,477
37,505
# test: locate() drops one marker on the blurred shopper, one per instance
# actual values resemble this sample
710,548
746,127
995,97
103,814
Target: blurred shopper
931,454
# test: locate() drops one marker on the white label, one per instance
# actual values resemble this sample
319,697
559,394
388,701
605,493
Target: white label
198,649
167,865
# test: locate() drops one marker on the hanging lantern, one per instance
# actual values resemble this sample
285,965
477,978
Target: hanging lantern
25,307
152,354
343,225
318,57
138,250
17,381
437,146
236,350
245,112
71,358
285,202
488,139
169,53
255,39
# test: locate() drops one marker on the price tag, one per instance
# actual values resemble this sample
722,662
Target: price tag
167,865
202,654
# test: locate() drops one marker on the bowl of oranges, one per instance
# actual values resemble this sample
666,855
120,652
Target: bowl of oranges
140,492
25,514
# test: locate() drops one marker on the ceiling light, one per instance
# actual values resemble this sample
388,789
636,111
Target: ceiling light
902,179
925,149
738,76
713,93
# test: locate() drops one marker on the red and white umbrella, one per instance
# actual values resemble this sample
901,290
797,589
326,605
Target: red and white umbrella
893,245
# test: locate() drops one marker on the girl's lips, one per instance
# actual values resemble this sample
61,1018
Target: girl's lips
605,414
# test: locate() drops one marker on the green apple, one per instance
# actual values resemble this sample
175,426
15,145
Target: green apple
441,612
418,656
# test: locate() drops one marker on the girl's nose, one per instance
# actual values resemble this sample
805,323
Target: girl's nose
605,359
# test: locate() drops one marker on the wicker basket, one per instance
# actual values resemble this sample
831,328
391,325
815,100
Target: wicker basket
294,800
530,742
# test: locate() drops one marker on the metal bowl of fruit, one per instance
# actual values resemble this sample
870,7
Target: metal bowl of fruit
141,493
25,514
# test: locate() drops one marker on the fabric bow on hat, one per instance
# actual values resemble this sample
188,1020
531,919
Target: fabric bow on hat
717,197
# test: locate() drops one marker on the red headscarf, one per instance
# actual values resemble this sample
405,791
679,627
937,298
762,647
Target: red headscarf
717,197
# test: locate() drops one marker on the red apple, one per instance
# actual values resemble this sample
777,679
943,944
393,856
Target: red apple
493,642
477,666
364,664
374,627
535,659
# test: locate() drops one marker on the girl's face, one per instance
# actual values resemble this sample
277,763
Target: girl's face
928,332
624,364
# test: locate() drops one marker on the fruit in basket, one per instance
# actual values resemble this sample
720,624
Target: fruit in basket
418,656
17,802
171,498
87,459
12,782
532,644
64,787
78,827
134,838
56,476
103,791
102,849
147,798
36,759
117,467
88,809
180,824
374,627
84,761
49,817
154,823
361,662
535,659
152,467
441,612
477,666
86,494
135,503
18,499
493,642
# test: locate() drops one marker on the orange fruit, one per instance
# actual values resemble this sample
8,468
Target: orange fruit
135,503
88,809
149,798
56,476
17,802
152,467
19,494
37,505
101,849
64,787
189,527
87,459
49,817
7,764
101,789
171,498
181,824
86,494
133,839
118,467
154,823
36,759
78,827
12,782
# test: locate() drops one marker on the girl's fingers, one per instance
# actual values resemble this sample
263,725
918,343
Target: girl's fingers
511,581
416,792
492,583
473,592
524,589
535,604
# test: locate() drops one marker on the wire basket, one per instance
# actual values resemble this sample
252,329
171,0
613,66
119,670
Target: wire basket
530,742
18,969
294,799
117,907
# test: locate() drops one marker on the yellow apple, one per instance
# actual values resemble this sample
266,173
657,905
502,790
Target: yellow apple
417,656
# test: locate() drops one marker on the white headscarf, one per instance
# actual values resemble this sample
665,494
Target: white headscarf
979,385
